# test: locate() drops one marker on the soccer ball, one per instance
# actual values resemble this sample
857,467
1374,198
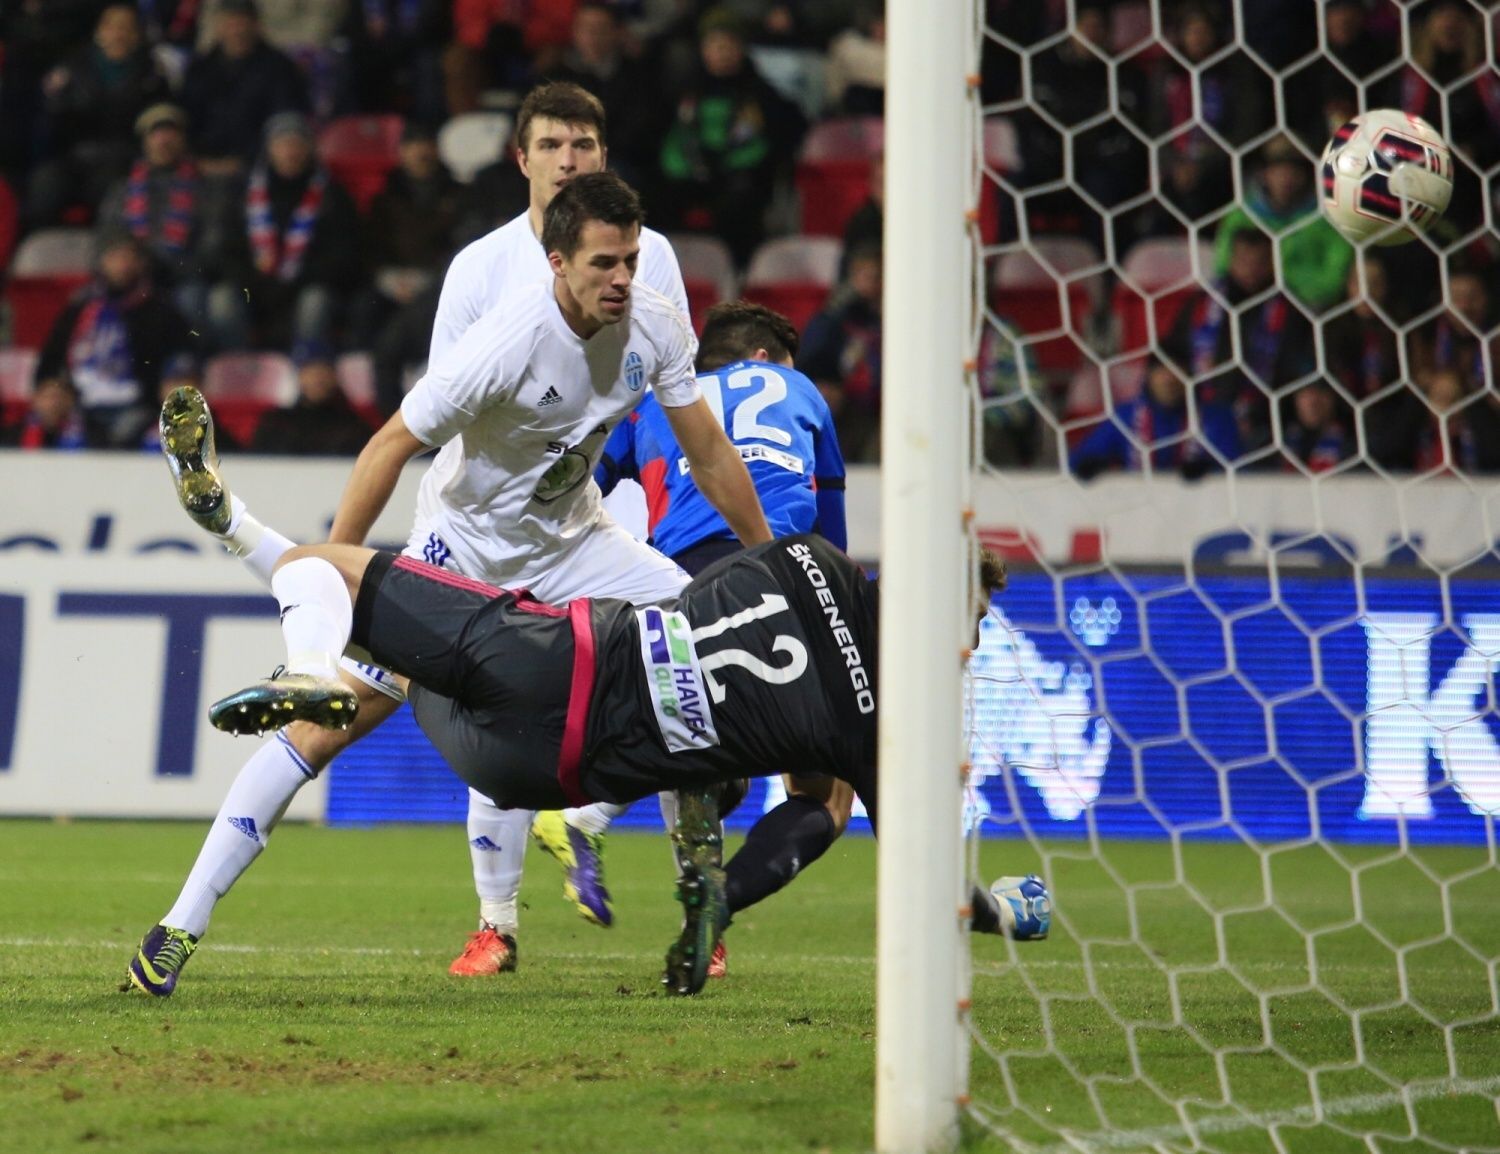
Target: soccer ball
1025,907
1386,176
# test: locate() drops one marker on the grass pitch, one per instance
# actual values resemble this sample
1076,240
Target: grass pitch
318,1014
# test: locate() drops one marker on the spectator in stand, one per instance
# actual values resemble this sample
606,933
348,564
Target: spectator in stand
1159,425
1274,346
502,44
111,343
1325,94
1071,82
1364,358
1233,102
232,89
296,259
52,421
1009,384
171,24
728,139
411,231
165,202
855,78
306,32
867,226
37,35
401,347
1315,432
1456,339
1235,97
321,423
1315,259
596,60
289,25
395,52
1461,433
92,101
841,353
1448,47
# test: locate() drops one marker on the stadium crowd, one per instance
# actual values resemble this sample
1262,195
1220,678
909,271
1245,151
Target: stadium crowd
291,177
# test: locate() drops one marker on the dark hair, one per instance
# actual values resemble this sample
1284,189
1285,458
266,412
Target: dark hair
1251,235
600,196
563,101
735,329
992,574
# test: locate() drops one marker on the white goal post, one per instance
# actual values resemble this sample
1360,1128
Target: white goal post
921,1043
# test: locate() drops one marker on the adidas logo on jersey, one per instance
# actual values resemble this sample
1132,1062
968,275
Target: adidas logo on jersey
550,397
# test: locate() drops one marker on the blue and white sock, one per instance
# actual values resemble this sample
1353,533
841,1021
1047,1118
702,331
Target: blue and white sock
261,791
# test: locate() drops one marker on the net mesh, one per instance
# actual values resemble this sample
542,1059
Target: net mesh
1237,708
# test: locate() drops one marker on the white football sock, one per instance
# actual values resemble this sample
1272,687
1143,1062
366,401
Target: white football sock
253,543
594,818
316,615
497,849
254,804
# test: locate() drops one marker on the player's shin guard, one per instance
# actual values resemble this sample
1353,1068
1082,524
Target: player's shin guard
781,844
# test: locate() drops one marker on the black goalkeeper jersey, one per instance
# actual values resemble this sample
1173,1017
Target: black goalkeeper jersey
779,677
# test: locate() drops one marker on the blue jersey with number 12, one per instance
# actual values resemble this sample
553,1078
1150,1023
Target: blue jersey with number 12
784,431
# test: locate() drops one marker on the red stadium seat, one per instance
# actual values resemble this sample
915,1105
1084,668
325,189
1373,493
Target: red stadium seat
1158,275
10,212
242,386
50,266
1002,158
35,302
356,372
360,152
707,272
1048,291
793,275
833,171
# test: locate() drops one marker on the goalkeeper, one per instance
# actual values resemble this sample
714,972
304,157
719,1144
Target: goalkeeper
782,426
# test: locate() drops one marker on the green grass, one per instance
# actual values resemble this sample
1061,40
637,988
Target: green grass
318,1015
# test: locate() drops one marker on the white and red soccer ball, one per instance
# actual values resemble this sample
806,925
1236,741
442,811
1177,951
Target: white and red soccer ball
1384,177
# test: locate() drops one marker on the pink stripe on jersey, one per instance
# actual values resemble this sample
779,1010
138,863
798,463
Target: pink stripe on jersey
445,577
580,690
580,697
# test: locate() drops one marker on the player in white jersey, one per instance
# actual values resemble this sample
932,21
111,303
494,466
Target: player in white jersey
560,131
523,404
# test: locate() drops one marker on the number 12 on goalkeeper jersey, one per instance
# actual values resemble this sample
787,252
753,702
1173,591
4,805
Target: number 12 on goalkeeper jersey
783,429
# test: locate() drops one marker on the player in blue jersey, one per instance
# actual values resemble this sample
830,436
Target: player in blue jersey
783,429
775,416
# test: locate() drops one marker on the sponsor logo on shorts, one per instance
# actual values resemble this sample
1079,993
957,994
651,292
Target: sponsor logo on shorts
635,372
550,397
677,692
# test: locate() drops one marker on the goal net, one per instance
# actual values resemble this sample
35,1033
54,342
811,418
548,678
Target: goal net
1237,708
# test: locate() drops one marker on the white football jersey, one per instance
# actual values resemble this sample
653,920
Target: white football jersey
501,261
522,407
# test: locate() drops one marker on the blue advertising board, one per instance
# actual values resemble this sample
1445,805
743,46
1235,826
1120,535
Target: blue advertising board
1147,705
